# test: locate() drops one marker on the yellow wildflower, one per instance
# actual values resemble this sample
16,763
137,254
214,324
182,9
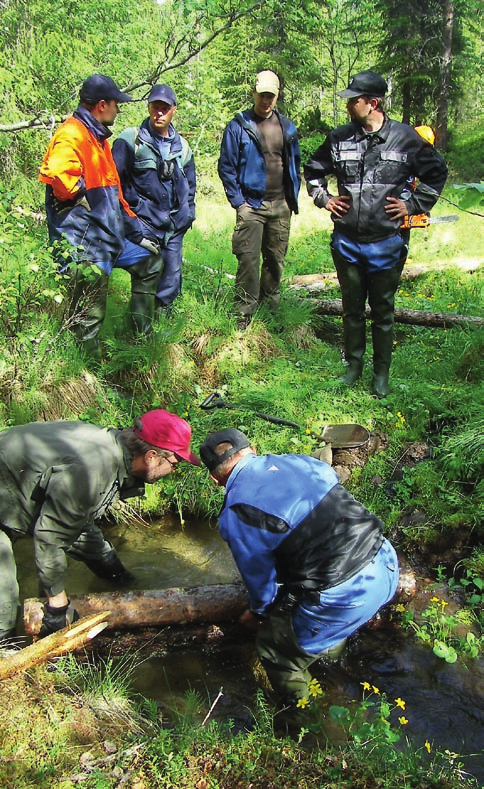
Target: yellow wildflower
376,690
403,721
400,608
428,746
366,685
315,689
435,599
443,603
302,703
400,703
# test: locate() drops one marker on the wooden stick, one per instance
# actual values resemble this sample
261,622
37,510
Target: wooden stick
59,643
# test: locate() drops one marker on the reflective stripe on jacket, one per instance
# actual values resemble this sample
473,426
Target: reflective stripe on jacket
371,167
242,167
84,201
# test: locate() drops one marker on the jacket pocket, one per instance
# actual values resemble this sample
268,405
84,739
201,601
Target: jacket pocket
392,168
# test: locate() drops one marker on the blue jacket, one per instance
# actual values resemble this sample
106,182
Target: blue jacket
292,527
160,190
242,167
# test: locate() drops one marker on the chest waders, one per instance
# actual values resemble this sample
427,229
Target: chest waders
285,663
380,286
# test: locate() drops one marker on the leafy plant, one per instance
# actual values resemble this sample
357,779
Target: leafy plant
439,631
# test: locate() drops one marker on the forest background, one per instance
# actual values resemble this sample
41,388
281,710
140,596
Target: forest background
431,53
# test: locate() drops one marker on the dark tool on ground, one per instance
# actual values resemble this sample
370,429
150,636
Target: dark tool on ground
346,436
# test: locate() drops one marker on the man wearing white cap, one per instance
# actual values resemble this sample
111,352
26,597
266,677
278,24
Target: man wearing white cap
259,167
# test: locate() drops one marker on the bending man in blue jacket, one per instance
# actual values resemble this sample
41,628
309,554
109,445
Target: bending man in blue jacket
157,173
259,167
314,560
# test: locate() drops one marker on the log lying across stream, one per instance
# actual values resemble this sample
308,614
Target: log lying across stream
157,608
153,608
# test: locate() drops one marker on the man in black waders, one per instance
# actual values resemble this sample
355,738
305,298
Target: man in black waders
373,157
314,560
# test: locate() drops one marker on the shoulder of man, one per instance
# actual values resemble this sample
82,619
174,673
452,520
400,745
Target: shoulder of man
186,152
130,136
284,120
243,119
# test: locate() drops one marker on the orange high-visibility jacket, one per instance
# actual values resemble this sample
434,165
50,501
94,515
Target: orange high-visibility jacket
84,200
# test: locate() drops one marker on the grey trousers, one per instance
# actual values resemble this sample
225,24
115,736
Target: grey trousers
90,545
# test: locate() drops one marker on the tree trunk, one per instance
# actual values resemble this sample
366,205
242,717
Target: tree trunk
443,105
413,317
215,603
210,604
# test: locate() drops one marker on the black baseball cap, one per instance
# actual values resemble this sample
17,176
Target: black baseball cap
366,83
162,93
99,87
228,436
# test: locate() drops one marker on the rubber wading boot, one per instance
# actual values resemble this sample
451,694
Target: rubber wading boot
382,286
88,306
352,280
144,279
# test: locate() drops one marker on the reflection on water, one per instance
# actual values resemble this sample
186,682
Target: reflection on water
161,556
444,703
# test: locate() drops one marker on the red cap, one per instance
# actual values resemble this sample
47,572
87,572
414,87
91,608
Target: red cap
167,431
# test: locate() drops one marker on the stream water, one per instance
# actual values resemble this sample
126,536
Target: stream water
444,703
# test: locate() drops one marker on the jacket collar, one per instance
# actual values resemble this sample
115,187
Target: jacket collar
97,129
381,134
149,137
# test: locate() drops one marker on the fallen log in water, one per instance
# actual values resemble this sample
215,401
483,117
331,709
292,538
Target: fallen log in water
66,640
215,603
156,608
414,317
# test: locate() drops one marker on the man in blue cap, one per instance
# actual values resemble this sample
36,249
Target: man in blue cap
373,157
157,172
87,211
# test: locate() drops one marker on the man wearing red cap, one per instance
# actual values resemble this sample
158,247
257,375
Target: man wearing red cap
57,479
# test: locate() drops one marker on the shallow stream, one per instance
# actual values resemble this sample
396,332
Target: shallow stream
444,703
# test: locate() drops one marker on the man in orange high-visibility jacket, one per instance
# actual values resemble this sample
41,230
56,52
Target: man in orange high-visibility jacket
86,208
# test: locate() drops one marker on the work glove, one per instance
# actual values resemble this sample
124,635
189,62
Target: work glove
111,569
319,197
57,618
151,246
